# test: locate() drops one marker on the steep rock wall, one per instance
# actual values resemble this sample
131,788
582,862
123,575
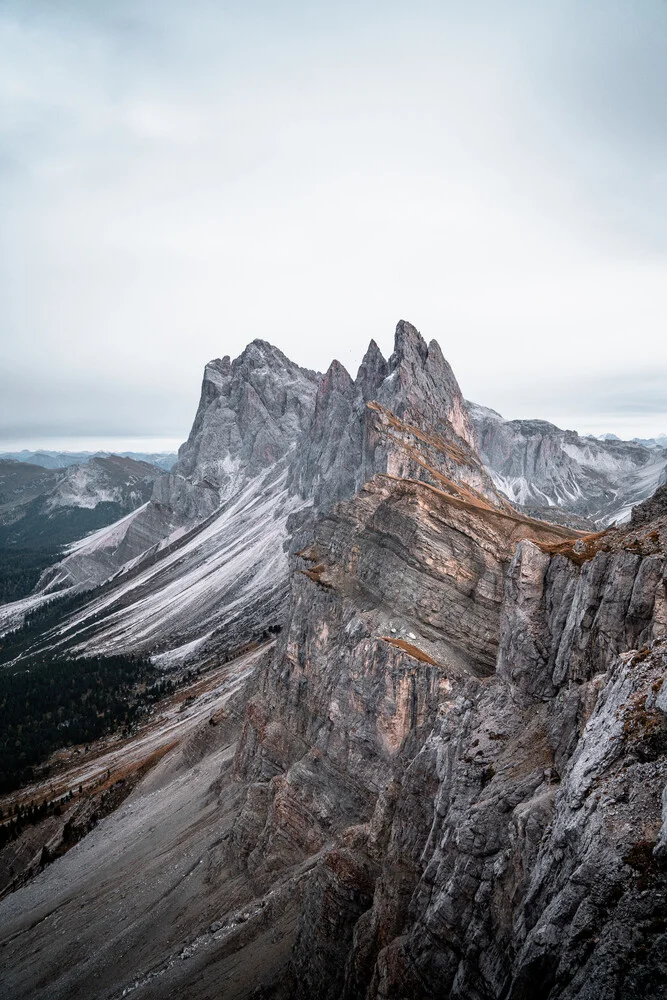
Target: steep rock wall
481,833
272,447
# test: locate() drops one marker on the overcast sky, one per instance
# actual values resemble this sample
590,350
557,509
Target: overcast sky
178,177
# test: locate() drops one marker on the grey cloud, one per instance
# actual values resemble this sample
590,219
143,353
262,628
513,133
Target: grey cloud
635,402
64,408
178,179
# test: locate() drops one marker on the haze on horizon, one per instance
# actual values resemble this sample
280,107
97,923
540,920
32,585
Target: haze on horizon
178,179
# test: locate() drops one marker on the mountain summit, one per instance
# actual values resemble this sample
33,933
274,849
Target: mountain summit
423,749
272,446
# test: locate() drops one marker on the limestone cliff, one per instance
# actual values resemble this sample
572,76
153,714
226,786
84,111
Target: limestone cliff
467,733
272,446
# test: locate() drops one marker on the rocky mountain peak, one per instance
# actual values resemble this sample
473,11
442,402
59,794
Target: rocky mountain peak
262,354
405,417
408,344
273,442
215,372
336,379
251,412
373,370
422,387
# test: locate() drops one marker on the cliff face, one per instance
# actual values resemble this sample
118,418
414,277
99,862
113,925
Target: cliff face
272,447
251,413
446,778
540,466
455,726
406,417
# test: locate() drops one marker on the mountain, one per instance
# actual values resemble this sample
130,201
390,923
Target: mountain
426,755
204,563
63,459
540,467
657,442
43,510
445,777
60,505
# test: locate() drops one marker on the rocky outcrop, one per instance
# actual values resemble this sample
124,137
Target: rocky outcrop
454,724
652,509
406,417
542,467
272,447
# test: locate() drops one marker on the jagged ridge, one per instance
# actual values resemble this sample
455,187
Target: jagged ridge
271,447
538,466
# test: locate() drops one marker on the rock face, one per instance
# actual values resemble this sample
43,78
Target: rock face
652,509
406,417
452,764
251,413
537,465
455,724
272,446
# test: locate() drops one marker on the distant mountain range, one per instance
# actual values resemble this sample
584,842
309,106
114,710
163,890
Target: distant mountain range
543,469
655,442
63,459
42,510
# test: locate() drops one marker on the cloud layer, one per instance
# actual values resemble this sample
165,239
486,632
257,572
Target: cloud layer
177,179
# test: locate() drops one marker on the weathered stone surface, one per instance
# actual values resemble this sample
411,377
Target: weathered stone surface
406,417
251,412
272,446
543,467
651,509
509,820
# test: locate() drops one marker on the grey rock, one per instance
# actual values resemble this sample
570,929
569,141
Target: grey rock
507,824
655,506
538,465
272,446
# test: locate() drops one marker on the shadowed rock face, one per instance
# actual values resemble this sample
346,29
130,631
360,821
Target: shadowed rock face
486,833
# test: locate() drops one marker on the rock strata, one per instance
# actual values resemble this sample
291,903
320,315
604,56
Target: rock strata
272,447
469,732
